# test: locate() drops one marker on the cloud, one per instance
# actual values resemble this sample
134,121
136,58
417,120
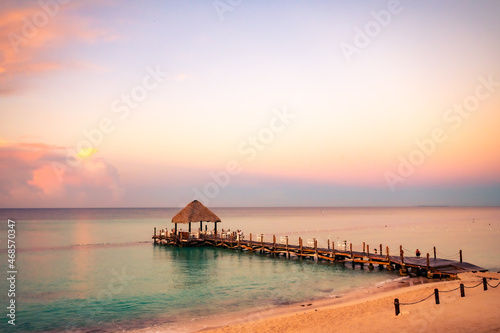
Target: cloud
34,35
28,179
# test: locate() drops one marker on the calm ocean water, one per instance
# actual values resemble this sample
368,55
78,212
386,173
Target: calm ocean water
96,269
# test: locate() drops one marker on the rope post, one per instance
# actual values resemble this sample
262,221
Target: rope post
462,290
460,255
428,262
485,284
436,295
434,253
396,306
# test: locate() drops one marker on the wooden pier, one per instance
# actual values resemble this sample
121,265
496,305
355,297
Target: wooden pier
431,267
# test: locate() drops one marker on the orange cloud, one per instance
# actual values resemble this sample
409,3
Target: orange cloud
32,33
28,178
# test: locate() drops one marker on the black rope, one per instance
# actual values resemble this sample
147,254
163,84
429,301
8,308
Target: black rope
477,285
417,301
491,285
447,291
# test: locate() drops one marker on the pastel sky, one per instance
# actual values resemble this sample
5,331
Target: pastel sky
249,103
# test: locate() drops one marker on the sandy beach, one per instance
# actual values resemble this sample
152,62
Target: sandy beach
372,310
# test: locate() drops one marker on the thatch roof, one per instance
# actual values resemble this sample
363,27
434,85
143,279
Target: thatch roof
195,212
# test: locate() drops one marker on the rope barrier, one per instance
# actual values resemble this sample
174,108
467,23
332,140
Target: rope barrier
447,291
477,285
491,285
442,255
417,301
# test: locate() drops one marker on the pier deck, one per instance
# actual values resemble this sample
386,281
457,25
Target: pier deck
421,265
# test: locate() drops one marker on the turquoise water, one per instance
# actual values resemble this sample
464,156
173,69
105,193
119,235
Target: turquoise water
96,269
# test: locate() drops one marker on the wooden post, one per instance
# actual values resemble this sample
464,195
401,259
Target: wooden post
274,244
352,256
380,249
189,227
387,250
315,249
155,231
300,246
176,228
328,243
333,250
462,290
287,253
251,242
460,255
368,251
401,253
363,247
201,226
485,284
434,253
262,243
396,305
428,262
436,295
215,227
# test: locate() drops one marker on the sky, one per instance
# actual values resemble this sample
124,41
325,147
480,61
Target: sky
249,103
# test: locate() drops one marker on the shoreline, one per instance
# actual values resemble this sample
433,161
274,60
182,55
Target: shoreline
369,309
372,309
215,323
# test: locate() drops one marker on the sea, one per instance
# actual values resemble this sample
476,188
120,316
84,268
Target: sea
97,270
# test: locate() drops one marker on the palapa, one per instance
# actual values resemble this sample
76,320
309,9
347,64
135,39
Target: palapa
195,211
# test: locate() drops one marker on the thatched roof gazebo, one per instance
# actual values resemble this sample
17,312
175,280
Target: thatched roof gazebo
195,212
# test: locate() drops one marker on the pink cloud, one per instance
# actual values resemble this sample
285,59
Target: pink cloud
34,36
28,178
